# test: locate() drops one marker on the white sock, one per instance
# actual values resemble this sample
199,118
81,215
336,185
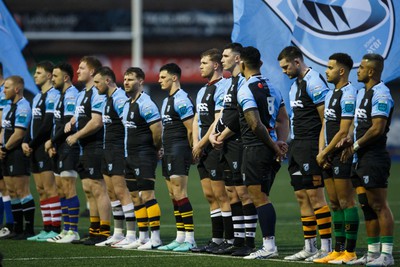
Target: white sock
269,243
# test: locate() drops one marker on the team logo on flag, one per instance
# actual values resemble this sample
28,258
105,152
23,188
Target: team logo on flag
323,25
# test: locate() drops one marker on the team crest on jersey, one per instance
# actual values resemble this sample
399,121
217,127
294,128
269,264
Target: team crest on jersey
366,179
85,100
243,177
40,164
168,108
326,25
213,173
235,165
366,102
336,170
169,166
208,97
11,168
137,171
306,166
91,171
40,102
132,114
108,109
334,102
60,164
110,166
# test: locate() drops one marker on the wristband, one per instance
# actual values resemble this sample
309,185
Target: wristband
356,146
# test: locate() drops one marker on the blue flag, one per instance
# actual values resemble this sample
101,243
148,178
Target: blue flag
319,28
12,41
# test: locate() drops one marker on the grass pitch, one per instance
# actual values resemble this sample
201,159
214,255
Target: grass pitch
288,234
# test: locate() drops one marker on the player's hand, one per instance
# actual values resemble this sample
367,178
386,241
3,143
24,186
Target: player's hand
48,145
346,154
345,142
67,127
2,154
71,140
215,142
52,152
160,153
321,159
197,152
26,149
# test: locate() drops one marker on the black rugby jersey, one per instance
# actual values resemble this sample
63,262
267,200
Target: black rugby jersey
176,108
208,102
230,115
339,104
65,109
374,103
305,96
137,117
43,106
114,131
88,102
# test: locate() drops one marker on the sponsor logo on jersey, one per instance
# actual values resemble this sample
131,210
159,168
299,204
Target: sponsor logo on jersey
202,107
107,119
296,104
382,106
37,112
361,113
349,106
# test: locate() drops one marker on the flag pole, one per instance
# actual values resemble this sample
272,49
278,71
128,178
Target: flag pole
137,39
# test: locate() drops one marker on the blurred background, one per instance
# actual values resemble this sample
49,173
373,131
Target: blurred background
172,31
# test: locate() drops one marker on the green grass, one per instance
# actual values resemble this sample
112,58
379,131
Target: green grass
288,234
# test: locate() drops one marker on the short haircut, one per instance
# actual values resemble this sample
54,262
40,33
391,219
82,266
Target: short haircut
343,59
172,68
290,53
138,71
251,57
235,47
377,60
214,54
67,68
47,65
106,71
18,81
92,62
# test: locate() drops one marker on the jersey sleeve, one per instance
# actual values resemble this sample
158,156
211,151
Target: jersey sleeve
317,90
23,116
149,112
246,99
119,103
219,98
184,107
69,104
98,104
51,101
348,103
382,104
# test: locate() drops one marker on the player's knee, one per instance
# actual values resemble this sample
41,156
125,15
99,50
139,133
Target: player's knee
369,213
